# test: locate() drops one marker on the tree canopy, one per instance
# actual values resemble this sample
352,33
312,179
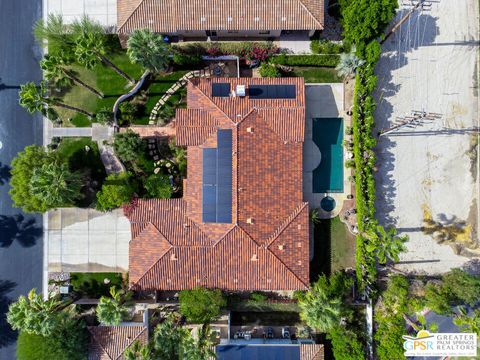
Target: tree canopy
158,186
117,190
201,305
365,20
23,167
148,49
346,344
112,310
323,306
34,315
128,145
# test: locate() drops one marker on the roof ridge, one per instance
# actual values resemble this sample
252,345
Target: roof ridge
98,342
285,224
213,103
286,267
129,17
155,263
302,3
131,342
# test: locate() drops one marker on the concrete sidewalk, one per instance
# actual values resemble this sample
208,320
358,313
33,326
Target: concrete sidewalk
104,11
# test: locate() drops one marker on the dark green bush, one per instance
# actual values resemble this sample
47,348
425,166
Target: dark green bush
187,60
329,60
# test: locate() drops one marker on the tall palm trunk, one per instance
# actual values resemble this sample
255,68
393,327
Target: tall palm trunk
81,83
73,108
106,61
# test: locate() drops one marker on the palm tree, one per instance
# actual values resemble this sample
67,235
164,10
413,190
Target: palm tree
138,351
385,244
112,310
349,63
34,315
90,46
148,50
56,185
54,70
320,308
34,99
56,33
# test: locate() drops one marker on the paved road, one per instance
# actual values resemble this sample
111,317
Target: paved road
21,249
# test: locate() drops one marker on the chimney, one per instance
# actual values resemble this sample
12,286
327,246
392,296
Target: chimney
250,221
299,244
173,257
281,247
254,257
250,129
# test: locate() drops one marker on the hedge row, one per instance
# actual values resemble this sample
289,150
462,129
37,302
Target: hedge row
363,142
327,60
327,47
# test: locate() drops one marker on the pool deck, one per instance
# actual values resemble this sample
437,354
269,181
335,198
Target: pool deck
324,101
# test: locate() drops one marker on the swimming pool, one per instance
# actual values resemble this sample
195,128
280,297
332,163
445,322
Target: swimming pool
328,136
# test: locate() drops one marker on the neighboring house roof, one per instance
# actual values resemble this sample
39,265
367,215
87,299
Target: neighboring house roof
169,16
110,342
265,246
270,351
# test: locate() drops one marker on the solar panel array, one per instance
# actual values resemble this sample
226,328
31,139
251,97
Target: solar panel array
221,89
217,180
272,91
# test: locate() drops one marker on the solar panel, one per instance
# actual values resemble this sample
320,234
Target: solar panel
217,180
272,91
224,176
220,89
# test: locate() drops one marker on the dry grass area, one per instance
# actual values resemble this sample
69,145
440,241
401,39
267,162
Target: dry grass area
427,179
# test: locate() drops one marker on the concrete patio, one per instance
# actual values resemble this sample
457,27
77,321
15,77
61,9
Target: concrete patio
104,11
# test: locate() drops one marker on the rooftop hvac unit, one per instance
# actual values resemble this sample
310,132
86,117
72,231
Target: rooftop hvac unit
241,90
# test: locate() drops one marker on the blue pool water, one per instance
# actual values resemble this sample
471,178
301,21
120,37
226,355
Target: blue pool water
328,136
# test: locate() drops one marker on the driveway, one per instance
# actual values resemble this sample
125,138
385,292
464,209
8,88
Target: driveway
21,249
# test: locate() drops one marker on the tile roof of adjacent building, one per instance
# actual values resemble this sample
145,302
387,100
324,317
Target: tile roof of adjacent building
311,352
110,342
266,245
169,16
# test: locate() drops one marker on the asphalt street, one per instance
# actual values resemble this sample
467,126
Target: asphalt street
21,248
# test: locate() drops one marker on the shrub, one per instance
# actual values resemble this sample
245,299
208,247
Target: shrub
330,60
128,145
256,296
104,116
350,163
117,190
201,305
246,50
346,345
269,71
158,186
323,46
128,112
186,60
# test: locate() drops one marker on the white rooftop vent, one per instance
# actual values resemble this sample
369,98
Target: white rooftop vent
241,90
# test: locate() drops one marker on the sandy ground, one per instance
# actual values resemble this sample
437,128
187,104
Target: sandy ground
429,64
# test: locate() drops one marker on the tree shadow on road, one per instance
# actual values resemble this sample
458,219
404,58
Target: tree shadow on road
4,173
7,335
17,227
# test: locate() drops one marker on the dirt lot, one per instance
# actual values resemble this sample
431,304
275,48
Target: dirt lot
428,175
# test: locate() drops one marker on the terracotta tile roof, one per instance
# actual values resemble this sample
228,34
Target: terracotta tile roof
168,16
110,342
266,246
311,352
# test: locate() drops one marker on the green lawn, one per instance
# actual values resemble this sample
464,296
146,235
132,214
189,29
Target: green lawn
316,74
334,248
93,285
88,162
156,89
